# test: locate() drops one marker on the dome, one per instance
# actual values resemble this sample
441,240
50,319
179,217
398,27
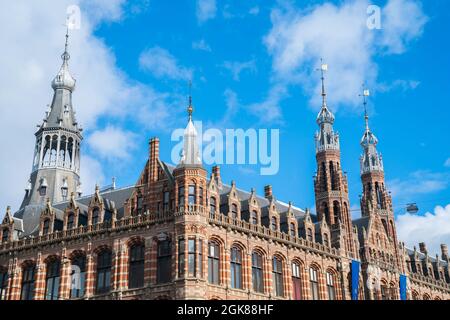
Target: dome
64,79
325,116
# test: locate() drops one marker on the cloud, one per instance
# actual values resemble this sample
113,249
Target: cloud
338,34
269,110
162,64
206,10
112,143
447,163
92,172
201,45
418,182
432,228
403,85
236,67
254,11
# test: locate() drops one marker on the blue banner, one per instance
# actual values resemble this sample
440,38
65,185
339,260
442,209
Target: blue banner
355,279
403,287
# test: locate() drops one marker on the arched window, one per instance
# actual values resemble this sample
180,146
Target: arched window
78,276
192,194
104,262
181,196
164,262
52,280
333,177
254,218
330,286
95,216
234,211
212,206
378,195
277,277
166,201
27,292
323,183
139,204
326,212
70,221
3,283
273,224
309,234
384,292
136,273
236,268
5,235
46,227
336,212
213,263
326,241
415,295
426,297
314,283
257,272
296,281
292,229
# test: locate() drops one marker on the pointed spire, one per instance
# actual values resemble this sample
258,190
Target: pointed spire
325,115
64,79
323,69
190,108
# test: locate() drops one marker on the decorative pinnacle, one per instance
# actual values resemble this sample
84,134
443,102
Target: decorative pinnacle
66,56
190,108
323,69
366,93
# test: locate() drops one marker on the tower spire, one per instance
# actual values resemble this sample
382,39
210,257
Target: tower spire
323,69
365,95
190,108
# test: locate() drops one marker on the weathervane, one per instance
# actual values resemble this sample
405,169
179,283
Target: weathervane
323,69
365,94
190,107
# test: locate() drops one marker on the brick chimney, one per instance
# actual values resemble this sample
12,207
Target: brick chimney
153,159
268,192
423,248
444,250
216,175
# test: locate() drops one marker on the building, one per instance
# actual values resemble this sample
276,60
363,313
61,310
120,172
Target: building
180,233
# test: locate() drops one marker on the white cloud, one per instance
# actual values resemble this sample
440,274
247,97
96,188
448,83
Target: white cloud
206,10
112,142
237,67
254,11
92,172
32,41
418,182
269,110
403,85
201,45
339,35
432,228
162,64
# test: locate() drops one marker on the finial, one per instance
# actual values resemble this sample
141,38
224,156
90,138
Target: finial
190,108
66,56
323,69
365,94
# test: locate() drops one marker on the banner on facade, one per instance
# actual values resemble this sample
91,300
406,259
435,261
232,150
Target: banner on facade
355,279
403,284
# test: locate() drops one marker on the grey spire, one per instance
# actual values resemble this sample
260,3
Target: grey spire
370,159
56,163
190,154
326,138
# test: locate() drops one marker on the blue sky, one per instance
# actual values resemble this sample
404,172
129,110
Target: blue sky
252,64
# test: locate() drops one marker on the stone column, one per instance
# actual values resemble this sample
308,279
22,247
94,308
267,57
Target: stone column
65,282
39,286
90,272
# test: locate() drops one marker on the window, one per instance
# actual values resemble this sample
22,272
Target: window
213,263
212,206
273,224
46,227
5,235
292,229
337,212
64,192
254,218
200,258
104,261
52,280
296,281
181,196
95,216
3,283
277,276
181,250
326,241
257,272
191,258
139,204
191,195
236,268
200,196
43,191
164,262
309,234
330,286
70,221
166,200
27,292
314,284
137,260
78,277
234,211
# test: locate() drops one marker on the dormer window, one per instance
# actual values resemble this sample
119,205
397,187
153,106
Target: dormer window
292,229
234,211
70,221
46,227
5,235
273,224
95,216
64,190
43,187
254,218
